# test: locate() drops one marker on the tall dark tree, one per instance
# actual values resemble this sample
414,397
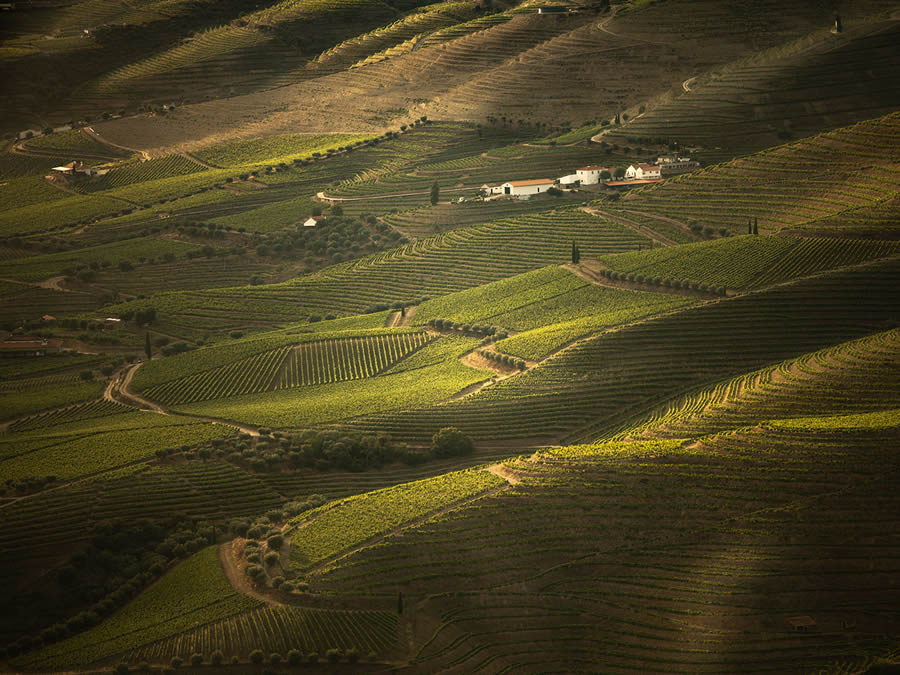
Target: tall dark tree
435,193
576,254
400,602
838,27
749,226
147,349
756,226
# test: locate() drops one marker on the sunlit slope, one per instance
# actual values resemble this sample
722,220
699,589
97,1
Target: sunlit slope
808,86
818,182
428,267
599,383
681,554
535,68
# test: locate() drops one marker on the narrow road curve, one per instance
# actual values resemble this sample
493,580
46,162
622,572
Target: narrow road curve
93,135
117,390
627,222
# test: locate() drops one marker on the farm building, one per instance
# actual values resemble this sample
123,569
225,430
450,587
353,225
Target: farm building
642,172
490,190
569,181
78,167
29,133
526,188
676,164
312,221
590,175
28,345
553,9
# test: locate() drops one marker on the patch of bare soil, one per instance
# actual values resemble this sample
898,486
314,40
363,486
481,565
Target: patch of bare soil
505,473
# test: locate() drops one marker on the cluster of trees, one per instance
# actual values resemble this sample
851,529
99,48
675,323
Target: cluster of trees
258,657
505,359
662,282
492,332
119,559
312,449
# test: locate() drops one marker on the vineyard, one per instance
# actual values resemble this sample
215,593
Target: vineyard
194,592
314,363
634,429
321,535
278,630
785,187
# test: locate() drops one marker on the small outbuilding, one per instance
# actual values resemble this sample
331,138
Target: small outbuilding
490,190
312,221
527,188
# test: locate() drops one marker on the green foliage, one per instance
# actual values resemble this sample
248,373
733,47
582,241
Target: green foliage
194,592
32,400
335,528
451,442
274,149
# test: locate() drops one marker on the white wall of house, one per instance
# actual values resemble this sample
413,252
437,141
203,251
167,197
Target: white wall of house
525,190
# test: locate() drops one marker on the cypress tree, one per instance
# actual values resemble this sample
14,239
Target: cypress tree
147,348
749,226
400,602
435,193
755,226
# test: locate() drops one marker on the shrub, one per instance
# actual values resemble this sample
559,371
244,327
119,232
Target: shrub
333,655
312,658
275,541
196,660
275,658
257,656
217,657
175,661
449,442
352,655
271,558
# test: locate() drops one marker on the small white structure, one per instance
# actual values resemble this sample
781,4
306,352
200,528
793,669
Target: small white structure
30,133
491,190
642,172
78,167
312,221
590,175
676,164
526,188
571,180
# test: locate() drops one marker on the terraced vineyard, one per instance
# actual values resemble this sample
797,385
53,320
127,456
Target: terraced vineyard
450,262
278,630
786,187
321,362
578,395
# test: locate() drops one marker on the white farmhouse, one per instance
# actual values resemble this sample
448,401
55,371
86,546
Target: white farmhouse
312,221
590,175
642,172
568,181
489,190
526,188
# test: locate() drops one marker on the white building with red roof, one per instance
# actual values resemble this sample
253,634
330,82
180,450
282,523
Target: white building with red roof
526,188
642,172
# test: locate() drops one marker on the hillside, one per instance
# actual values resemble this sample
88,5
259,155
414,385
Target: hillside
314,352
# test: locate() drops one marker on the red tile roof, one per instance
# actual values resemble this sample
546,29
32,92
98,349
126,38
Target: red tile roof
534,181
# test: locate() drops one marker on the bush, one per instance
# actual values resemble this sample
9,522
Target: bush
175,661
312,658
333,655
352,655
196,660
294,657
275,541
257,656
450,442
217,657
86,374
271,558
275,658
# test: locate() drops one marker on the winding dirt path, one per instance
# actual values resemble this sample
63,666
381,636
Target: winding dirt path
627,222
93,135
118,391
